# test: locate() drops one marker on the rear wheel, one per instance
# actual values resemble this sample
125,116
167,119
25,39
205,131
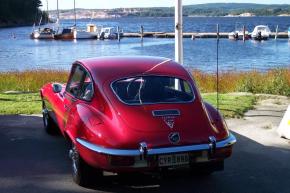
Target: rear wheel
49,125
83,174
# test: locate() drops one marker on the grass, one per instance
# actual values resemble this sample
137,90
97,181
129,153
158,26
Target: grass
275,81
30,81
231,105
30,103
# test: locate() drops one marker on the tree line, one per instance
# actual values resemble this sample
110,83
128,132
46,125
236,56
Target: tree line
21,12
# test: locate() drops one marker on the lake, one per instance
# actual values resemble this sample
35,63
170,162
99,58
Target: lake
22,53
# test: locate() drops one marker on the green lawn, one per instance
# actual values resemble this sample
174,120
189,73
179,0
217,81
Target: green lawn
231,105
30,103
20,103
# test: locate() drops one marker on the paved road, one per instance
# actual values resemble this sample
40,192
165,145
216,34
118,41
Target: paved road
32,161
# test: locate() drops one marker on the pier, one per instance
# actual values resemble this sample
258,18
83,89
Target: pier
192,35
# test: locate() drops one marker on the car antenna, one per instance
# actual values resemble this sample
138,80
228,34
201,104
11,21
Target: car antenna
217,69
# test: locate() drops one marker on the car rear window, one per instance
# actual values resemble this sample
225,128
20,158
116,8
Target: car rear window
152,89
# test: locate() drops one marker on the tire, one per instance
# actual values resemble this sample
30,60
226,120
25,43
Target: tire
48,123
82,173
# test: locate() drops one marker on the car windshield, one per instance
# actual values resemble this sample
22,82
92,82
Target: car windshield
152,89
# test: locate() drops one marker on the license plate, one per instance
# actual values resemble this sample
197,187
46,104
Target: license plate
173,160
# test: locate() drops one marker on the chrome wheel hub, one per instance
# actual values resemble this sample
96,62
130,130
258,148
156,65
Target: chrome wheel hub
73,154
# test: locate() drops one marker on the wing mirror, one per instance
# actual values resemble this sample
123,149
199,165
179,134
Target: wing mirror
56,88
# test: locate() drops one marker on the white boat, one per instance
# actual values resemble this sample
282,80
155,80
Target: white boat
261,32
108,33
238,35
42,33
45,33
289,32
91,32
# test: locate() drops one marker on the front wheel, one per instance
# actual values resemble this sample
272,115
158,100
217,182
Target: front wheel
49,125
83,174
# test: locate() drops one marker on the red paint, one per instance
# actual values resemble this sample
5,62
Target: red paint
107,122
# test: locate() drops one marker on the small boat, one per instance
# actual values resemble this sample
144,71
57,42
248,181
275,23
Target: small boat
42,33
261,32
108,33
238,35
92,32
45,33
66,34
289,33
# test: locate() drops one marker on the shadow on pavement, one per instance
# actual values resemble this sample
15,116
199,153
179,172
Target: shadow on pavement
32,161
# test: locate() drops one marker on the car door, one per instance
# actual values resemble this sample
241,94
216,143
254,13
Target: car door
79,89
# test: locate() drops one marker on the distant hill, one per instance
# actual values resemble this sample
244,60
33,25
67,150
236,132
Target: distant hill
223,9
209,9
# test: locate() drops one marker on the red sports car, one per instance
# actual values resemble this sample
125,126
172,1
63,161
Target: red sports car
128,114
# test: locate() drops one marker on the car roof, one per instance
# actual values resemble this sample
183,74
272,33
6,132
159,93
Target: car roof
113,68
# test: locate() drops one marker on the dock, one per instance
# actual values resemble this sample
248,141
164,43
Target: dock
192,35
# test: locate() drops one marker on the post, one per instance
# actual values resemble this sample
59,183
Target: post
118,32
178,32
47,11
141,32
276,34
217,67
57,10
75,13
244,33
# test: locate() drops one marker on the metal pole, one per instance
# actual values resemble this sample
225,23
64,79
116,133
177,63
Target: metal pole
217,68
75,13
141,32
118,32
57,10
244,33
178,32
276,34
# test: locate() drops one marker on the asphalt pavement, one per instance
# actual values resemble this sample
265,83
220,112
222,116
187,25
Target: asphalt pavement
33,161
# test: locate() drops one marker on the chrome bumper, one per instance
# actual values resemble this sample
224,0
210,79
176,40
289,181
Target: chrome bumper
155,151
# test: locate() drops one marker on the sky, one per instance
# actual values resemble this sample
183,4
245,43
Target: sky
107,4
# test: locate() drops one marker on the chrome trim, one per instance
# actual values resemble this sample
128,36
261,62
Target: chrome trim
136,152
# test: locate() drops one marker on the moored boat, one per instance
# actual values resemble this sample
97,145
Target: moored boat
238,35
91,32
109,33
45,33
66,34
261,32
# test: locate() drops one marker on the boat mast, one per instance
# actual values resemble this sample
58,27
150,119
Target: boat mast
47,11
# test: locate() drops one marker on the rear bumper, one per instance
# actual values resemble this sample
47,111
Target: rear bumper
156,151
101,157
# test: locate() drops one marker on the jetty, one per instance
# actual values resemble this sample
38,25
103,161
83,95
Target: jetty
192,35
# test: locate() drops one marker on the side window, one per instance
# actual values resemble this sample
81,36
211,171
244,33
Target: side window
86,91
80,84
74,84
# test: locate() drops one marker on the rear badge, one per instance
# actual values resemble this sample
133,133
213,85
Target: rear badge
169,120
174,138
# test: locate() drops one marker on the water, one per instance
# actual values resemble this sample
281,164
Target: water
22,53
